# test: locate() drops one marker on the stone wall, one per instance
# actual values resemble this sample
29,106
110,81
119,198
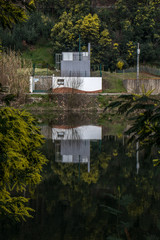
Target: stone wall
144,85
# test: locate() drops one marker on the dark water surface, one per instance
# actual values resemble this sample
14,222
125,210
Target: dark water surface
95,186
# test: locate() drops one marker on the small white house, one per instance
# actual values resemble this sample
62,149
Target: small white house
74,75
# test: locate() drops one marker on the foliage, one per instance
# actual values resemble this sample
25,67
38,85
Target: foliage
13,11
65,37
144,112
113,32
62,34
20,161
88,28
40,55
65,33
36,27
120,64
138,22
127,203
57,7
8,98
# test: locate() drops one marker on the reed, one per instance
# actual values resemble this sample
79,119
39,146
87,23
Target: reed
15,72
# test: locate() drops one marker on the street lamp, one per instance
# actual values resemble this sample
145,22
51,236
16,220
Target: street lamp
138,53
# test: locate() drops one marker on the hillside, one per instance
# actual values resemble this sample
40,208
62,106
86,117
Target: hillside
58,26
102,3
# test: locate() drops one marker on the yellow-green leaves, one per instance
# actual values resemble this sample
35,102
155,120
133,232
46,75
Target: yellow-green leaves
12,11
105,39
20,159
130,50
120,64
89,27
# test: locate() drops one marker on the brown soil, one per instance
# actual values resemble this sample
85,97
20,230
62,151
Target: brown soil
72,90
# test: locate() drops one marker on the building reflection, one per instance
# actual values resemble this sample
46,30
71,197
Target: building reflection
72,144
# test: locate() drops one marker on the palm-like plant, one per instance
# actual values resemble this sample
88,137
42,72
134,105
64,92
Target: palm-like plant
144,113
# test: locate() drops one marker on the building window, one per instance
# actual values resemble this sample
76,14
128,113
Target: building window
60,81
60,134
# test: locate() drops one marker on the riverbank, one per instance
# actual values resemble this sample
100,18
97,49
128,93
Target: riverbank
68,102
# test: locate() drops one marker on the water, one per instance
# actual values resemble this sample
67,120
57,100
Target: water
95,186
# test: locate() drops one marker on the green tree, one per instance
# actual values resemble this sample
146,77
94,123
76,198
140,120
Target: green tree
89,28
23,34
13,11
63,35
138,21
20,161
144,113
57,7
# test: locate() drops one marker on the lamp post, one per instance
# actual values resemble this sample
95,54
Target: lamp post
138,53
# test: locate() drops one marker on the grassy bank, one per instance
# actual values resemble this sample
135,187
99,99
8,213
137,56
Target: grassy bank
41,53
62,102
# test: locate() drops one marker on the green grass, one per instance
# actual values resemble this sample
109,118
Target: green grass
113,82
44,96
41,53
40,105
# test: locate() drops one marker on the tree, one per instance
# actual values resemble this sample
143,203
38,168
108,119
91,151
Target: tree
138,21
108,51
20,158
89,28
13,11
63,35
144,113
57,7
20,161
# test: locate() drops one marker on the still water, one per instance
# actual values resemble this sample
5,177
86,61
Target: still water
94,187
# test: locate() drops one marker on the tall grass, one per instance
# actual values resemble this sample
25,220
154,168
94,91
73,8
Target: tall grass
15,72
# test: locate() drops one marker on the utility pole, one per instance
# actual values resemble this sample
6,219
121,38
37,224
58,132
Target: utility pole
138,53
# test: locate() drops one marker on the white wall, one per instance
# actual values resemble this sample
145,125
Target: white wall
88,132
88,84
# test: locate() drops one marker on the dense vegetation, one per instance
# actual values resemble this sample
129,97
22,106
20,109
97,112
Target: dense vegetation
20,161
113,32
20,140
143,113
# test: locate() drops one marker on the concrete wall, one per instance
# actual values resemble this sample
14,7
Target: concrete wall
146,85
75,68
83,84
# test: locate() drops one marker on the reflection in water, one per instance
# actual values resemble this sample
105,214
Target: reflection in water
72,145
137,157
101,197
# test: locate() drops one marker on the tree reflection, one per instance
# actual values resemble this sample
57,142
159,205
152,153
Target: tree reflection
110,202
